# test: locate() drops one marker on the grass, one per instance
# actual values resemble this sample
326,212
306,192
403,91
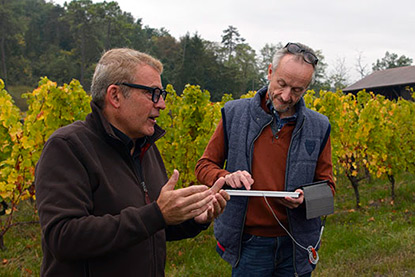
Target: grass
23,254
376,240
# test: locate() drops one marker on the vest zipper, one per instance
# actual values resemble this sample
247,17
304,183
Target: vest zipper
250,170
251,147
286,178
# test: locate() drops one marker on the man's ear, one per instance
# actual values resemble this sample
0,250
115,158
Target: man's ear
113,96
269,71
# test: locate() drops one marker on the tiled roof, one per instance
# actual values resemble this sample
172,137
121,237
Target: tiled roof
389,77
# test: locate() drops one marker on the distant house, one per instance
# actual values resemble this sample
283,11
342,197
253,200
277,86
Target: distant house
391,83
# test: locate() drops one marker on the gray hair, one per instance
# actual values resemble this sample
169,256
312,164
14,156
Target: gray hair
283,51
116,66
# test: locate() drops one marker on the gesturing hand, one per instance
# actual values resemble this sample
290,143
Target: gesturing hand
182,204
217,205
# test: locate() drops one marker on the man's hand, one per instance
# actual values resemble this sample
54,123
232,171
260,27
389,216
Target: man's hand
239,178
290,202
217,205
183,204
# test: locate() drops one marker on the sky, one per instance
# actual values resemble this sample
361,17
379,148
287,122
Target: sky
342,30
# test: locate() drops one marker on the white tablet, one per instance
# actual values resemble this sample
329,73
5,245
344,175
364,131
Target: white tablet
268,193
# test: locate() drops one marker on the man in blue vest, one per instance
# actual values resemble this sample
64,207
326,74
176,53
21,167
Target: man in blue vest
270,142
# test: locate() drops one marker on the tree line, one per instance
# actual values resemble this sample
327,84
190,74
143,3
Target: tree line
39,38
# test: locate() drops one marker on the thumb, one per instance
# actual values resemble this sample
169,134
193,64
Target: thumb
171,183
218,184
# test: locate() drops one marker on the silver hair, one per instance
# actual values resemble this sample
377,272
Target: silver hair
283,51
116,66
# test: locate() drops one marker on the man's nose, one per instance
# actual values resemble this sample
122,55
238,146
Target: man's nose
286,94
161,104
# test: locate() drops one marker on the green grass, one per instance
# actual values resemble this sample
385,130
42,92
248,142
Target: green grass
376,240
23,254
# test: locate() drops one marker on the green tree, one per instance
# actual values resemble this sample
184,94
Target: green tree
339,77
168,50
116,25
200,64
391,60
321,81
12,43
248,72
230,39
84,23
48,46
266,55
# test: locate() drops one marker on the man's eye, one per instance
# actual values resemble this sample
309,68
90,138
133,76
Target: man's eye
298,91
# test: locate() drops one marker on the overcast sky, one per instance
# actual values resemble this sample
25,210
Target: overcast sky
340,29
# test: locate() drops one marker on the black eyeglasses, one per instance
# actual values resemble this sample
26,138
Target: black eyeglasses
308,57
155,92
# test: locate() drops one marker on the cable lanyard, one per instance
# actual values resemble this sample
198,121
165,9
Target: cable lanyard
312,252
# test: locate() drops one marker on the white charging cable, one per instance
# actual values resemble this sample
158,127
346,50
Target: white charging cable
312,252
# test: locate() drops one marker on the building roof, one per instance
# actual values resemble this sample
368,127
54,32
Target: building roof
390,77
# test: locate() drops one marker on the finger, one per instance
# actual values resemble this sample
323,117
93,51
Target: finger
185,192
196,212
219,205
229,181
210,214
246,182
292,202
225,195
248,176
171,183
298,200
218,185
233,180
196,202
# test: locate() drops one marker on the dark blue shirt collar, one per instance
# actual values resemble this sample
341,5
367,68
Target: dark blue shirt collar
128,142
280,122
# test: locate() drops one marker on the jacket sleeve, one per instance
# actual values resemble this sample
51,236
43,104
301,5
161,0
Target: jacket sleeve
187,229
65,204
209,167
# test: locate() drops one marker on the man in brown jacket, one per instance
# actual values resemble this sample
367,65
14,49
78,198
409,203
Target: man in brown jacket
106,205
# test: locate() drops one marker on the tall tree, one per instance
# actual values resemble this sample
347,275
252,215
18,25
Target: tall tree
391,60
266,55
81,15
12,27
191,69
230,39
360,67
116,25
321,81
339,77
48,45
248,74
168,50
